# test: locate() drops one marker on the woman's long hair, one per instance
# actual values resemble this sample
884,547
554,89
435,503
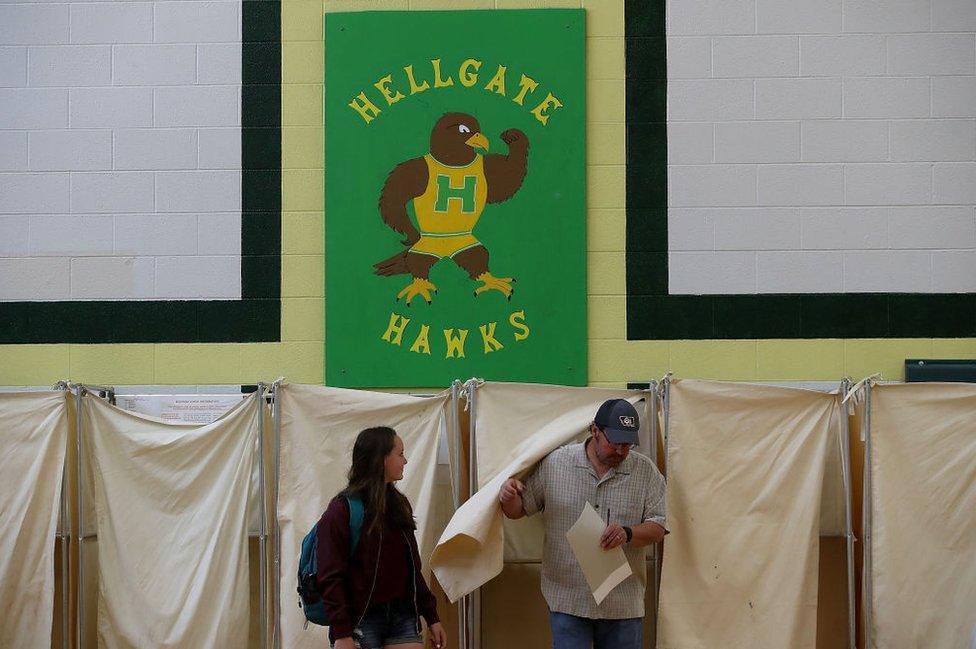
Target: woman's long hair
367,480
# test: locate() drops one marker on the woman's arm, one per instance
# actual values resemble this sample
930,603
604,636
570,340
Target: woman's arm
426,602
333,537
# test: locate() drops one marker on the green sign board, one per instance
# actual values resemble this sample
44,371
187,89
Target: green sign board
455,202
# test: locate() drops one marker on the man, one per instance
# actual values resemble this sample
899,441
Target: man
628,491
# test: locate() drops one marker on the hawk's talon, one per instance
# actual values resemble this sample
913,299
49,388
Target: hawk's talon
491,283
419,286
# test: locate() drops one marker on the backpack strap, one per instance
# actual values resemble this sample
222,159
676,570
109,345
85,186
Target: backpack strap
356,514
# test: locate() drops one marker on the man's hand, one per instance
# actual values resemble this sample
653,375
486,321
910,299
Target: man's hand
438,636
510,497
511,489
344,643
613,537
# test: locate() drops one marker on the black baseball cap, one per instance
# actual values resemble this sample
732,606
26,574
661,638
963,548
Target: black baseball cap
618,419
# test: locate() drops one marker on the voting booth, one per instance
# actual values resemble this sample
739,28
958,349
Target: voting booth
783,505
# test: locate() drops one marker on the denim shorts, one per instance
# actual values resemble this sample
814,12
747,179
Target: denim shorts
390,623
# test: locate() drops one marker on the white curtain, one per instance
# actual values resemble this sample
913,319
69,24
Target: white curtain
833,503
318,428
33,438
171,503
745,476
517,425
923,499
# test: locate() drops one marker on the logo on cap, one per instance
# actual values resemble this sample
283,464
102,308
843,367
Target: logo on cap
627,422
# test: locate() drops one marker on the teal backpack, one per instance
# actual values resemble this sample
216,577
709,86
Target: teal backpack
310,600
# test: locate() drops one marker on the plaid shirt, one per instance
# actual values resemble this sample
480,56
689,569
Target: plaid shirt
559,487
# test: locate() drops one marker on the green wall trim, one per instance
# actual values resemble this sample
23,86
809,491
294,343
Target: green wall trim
254,318
838,315
654,314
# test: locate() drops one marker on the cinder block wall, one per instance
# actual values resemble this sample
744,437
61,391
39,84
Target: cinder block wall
818,146
822,146
120,150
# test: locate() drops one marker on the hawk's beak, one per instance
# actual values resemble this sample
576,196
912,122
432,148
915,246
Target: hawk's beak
477,141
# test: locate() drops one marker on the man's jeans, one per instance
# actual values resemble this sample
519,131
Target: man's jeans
571,632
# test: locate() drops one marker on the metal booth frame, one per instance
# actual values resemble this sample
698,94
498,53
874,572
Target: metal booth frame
867,565
79,390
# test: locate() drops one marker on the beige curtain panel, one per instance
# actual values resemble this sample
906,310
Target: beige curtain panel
33,438
745,476
517,425
172,504
318,428
923,548
833,504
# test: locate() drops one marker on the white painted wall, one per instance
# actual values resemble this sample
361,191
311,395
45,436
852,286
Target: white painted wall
822,146
120,150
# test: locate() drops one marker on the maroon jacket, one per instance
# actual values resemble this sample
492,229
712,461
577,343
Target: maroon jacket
346,582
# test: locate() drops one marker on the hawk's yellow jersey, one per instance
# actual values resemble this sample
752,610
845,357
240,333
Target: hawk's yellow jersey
450,207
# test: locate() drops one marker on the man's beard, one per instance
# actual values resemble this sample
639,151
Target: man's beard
612,459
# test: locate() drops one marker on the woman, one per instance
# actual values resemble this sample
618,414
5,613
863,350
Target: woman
372,588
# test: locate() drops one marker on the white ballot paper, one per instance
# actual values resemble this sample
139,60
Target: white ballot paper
603,569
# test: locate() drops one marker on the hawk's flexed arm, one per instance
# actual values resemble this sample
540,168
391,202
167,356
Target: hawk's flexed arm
407,181
505,173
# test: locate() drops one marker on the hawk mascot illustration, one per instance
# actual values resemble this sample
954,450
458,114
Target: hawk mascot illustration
450,187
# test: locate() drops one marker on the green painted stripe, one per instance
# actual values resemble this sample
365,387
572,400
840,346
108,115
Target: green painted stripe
458,252
154,321
647,160
261,154
792,316
437,235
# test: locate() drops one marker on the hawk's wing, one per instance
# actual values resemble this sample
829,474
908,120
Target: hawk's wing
407,181
505,173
